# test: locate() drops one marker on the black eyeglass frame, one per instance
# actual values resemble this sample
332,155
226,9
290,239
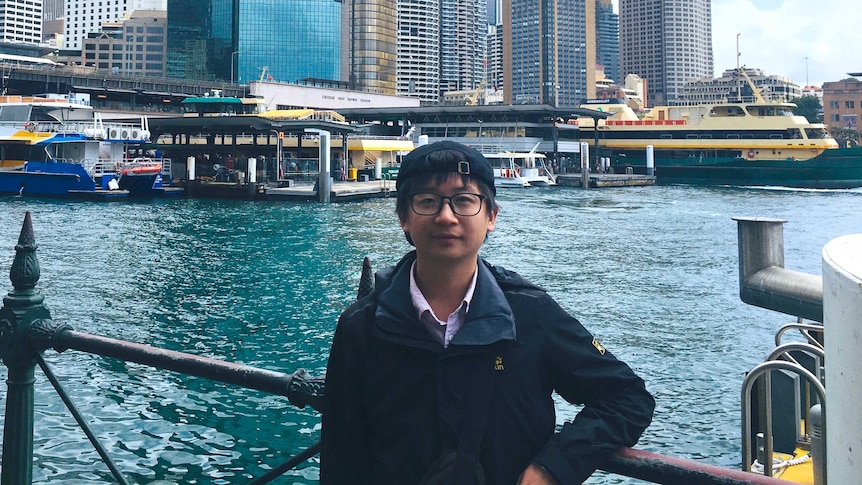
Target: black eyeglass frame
443,198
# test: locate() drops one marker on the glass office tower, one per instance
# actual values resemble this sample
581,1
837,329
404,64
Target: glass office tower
250,40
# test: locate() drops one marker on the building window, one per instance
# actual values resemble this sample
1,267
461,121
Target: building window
850,104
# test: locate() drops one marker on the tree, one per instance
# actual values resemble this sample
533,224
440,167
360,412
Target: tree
809,107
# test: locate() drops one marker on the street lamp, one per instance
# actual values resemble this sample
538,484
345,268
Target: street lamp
232,55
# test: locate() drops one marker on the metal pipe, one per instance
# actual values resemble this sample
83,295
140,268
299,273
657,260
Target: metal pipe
297,387
763,280
670,470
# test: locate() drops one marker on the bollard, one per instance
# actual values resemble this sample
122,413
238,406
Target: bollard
21,315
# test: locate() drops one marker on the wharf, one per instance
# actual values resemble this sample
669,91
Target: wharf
341,191
599,180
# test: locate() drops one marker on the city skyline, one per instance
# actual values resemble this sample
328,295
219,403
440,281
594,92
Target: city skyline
778,35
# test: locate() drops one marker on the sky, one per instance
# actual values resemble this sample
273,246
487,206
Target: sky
809,42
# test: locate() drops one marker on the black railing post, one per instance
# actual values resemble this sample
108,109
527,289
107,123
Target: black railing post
22,311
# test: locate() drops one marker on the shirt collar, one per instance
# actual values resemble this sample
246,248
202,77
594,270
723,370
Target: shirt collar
421,304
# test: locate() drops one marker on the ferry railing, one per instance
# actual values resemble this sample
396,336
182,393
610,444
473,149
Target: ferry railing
27,330
835,300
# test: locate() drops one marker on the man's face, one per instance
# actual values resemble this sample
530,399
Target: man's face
447,237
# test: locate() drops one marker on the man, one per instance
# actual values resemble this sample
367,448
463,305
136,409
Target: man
445,373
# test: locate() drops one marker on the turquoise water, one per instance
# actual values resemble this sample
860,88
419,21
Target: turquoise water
651,271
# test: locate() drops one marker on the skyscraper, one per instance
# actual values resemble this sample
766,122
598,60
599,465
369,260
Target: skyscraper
667,43
369,35
608,39
85,16
419,49
246,40
549,52
21,21
463,36
52,10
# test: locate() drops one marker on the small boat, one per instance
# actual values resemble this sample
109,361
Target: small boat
519,170
746,140
58,147
146,176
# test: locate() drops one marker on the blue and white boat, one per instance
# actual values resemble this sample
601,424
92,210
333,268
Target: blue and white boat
57,147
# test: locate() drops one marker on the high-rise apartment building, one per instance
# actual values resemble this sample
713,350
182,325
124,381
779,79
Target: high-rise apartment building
85,16
463,33
248,40
494,69
21,21
608,39
666,42
418,69
549,53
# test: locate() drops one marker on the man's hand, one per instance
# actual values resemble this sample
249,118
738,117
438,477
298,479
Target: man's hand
536,475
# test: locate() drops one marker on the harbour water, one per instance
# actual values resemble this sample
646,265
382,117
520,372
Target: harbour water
652,271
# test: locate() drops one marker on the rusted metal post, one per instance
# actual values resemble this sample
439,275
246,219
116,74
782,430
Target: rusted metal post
22,311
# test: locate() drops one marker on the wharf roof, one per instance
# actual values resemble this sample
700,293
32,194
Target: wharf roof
538,112
242,124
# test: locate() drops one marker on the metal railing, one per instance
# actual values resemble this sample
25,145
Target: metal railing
27,330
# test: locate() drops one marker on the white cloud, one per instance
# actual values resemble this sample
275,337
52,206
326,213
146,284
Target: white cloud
778,35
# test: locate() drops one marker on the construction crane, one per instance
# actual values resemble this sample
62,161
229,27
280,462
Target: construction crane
263,73
473,99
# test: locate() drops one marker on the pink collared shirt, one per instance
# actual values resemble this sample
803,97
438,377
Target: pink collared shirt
442,330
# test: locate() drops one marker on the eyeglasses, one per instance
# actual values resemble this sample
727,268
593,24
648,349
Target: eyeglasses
430,204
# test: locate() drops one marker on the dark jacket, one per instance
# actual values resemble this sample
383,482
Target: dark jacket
395,399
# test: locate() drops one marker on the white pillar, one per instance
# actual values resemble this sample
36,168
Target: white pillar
842,324
324,179
190,168
585,165
252,170
650,160
378,168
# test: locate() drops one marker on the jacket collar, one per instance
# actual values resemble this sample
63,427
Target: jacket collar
488,320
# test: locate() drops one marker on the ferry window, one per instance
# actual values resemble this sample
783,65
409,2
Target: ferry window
666,136
733,136
691,137
707,137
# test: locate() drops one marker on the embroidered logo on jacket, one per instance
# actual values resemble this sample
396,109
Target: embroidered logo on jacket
598,346
498,363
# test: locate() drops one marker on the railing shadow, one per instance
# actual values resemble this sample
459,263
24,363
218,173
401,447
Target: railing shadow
27,330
